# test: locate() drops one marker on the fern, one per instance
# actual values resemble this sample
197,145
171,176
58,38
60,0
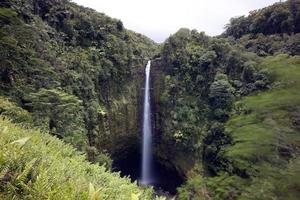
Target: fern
4,171
21,141
43,167
93,194
26,171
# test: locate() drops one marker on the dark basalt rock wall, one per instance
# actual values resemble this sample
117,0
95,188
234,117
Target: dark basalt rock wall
124,118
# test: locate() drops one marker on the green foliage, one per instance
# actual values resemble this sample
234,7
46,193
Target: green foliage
73,70
13,112
245,157
94,155
265,45
268,31
35,165
7,16
213,153
265,141
225,186
62,112
277,18
66,64
202,77
221,95
194,188
144,48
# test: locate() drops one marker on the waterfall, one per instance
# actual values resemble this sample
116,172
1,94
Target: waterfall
147,132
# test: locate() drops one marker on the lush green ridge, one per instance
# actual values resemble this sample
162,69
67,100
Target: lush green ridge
269,114
202,77
271,30
278,18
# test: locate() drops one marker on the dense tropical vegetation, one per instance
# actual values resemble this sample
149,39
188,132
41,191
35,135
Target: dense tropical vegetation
226,108
231,105
271,30
72,68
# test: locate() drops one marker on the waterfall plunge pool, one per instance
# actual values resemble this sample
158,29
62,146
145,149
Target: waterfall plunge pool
167,179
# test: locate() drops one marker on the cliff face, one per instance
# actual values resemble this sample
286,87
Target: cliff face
122,123
164,148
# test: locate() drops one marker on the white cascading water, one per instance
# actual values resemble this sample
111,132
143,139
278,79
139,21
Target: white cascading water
146,178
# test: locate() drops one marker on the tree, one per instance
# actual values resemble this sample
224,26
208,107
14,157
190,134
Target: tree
221,96
60,112
237,27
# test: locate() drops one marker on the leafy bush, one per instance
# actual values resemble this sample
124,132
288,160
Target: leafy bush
15,113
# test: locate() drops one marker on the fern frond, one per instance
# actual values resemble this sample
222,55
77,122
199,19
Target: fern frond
21,141
93,194
28,167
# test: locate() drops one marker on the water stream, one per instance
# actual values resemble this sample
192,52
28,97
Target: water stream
146,174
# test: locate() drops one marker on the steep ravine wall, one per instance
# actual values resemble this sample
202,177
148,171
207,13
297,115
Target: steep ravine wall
165,149
121,124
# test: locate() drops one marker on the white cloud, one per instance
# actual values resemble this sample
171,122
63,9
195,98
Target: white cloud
159,18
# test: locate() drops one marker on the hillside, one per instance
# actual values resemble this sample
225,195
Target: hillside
227,112
261,160
35,165
76,70
270,30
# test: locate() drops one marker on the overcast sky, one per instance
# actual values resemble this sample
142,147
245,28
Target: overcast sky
159,18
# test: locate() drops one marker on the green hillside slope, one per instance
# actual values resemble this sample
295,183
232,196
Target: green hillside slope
35,165
266,134
263,158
